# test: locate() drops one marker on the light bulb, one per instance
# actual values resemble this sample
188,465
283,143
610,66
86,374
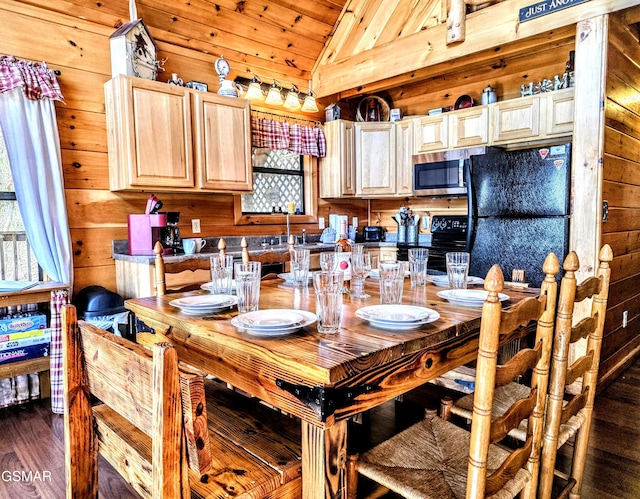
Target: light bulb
292,101
274,96
309,105
254,92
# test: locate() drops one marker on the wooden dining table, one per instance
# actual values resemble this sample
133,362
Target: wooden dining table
323,379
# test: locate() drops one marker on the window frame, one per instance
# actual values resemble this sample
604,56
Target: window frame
310,192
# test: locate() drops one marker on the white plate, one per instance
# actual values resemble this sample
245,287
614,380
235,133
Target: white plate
307,319
396,314
269,319
288,276
208,286
203,304
468,297
442,281
404,326
375,274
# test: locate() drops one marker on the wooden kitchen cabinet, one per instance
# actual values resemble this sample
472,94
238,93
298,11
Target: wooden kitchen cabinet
375,154
535,117
431,133
463,128
338,167
469,127
222,138
174,139
404,160
149,135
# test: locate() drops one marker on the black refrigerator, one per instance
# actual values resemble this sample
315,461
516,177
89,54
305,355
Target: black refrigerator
519,207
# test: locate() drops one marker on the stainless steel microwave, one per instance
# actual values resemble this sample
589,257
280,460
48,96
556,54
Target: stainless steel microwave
444,173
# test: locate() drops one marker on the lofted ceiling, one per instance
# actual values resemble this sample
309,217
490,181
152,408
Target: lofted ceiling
279,39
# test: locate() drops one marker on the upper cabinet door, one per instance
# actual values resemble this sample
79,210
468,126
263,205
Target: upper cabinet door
469,127
337,169
375,159
431,133
559,113
404,160
516,120
149,134
222,142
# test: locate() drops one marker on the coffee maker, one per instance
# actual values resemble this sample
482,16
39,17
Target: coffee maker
171,239
144,231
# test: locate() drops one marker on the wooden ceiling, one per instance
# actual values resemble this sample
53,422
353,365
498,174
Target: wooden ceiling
279,39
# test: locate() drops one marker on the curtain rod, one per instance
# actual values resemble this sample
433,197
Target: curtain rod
284,117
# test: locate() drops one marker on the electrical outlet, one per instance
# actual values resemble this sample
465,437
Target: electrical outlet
321,223
195,226
624,318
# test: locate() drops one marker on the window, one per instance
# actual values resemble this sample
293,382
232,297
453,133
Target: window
17,262
278,180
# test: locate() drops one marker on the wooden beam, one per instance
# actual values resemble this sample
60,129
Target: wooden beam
494,26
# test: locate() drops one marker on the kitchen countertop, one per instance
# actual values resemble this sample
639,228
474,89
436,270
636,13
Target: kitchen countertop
120,249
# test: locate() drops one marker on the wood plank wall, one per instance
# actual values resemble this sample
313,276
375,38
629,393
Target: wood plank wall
51,31
621,189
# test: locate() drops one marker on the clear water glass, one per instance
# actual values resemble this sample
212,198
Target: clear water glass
457,269
300,267
328,290
328,260
247,276
391,281
221,274
361,266
418,258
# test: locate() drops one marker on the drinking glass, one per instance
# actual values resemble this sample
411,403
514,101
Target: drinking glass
221,274
300,267
457,269
361,266
391,281
418,258
248,285
328,260
357,249
328,289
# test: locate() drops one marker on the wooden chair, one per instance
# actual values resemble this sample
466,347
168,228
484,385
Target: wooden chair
154,426
435,458
163,268
570,415
505,396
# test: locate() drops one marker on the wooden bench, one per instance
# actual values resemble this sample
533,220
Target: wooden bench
167,430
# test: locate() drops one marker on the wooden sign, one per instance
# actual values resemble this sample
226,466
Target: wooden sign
546,7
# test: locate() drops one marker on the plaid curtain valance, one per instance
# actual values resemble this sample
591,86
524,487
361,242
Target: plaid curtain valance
279,134
37,80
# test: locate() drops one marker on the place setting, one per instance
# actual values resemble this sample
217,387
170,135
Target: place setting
468,297
204,304
273,322
397,317
442,281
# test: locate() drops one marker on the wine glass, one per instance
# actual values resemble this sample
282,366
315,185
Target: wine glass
360,268
328,260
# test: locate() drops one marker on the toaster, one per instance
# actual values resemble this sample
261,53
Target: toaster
373,233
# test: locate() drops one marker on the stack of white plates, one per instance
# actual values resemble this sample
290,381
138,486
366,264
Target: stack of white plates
208,286
204,304
375,274
273,322
288,277
468,297
442,281
397,317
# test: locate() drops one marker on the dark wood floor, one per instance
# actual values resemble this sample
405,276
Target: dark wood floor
31,440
